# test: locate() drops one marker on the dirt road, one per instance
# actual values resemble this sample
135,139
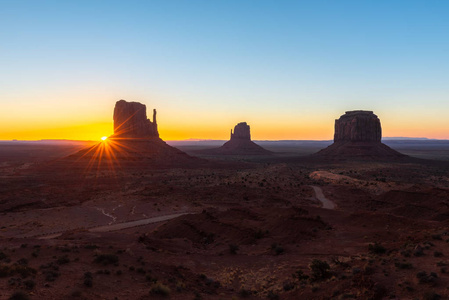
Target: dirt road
328,204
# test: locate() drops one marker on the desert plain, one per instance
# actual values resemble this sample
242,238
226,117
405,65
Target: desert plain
284,226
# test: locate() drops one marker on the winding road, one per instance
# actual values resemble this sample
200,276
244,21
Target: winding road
130,224
328,204
114,227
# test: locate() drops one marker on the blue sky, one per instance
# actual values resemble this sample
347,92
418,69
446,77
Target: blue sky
289,68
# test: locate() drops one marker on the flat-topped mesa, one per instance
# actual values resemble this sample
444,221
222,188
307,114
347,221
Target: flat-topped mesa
130,121
358,126
358,134
241,132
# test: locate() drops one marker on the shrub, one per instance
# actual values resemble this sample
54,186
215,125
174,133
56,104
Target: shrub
3,255
76,293
88,279
106,259
320,270
403,266
279,250
233,248
300,275
272,295
288,286
431,296
29,284
424,278
376,248
438,254
19,295
244,293
160,289
63,260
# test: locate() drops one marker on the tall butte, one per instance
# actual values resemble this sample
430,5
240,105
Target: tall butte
239,144
358,133
130,121
135,138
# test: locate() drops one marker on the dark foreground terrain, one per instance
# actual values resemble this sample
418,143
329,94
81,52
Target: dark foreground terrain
278,227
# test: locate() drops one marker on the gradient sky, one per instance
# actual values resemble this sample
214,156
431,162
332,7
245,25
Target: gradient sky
288,68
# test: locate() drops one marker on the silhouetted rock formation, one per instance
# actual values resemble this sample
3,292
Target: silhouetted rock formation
358,126
239,144
241,131
130,121
358,133
135,138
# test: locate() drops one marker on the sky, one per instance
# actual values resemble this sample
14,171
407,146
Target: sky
287,68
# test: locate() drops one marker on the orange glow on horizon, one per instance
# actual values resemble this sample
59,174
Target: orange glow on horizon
175,130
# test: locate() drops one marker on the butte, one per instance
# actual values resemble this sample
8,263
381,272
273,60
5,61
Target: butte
239,144
358,134
135,138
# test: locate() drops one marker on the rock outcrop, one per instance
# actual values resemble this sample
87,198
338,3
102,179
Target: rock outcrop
241,132
358,133
135,139
239,144
358,126
130,121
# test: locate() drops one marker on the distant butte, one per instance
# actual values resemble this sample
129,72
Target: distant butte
130,121
239,144
135,138
358,133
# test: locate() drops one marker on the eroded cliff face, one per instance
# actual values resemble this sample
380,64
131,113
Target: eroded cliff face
358,134
358,126
241,132
130,121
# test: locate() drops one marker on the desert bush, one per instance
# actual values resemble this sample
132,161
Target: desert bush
300,275
19,295
287,286
29,284
23,262
63,260
260,234
403,266
88,279
51,275
160,289
76,293
10,270
233,248
376,248
244,293
423,277
106,259
3,255
279,250
431,296
437,237
272,295
438,254
320,270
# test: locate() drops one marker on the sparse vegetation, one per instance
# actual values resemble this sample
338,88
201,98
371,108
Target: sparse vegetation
106,259
19,295
320,270
376,248
160,289
233,248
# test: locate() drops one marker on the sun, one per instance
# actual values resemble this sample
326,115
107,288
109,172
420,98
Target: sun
104,138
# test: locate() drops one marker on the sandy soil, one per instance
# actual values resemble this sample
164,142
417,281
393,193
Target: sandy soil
230,229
